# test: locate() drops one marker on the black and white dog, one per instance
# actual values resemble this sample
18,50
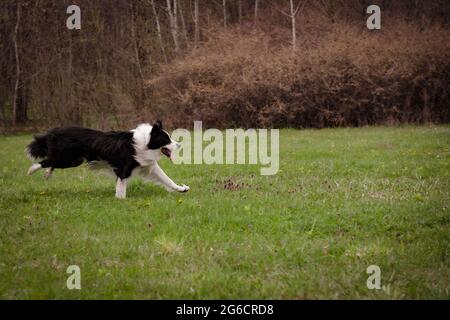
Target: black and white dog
126,153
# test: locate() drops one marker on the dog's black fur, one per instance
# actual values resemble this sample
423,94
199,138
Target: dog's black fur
67,147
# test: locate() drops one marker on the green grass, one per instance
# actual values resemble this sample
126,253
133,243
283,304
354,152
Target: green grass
343,199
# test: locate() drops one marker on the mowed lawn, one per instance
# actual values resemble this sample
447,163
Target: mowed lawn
344,199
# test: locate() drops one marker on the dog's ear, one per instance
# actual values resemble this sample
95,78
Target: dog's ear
158,125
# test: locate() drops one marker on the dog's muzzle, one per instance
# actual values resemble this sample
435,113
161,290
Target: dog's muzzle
167,152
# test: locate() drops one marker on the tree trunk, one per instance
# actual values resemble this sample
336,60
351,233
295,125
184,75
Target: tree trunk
173,22
224,4
158,30
2,115
23,94
75,111
136,50
135,44
16,54
256,10
183,24
197,30
240,10
175,19
293,16
2,112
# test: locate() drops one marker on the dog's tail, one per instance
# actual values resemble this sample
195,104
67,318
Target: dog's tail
38,148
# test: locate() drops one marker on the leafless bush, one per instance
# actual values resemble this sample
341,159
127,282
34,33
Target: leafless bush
350,77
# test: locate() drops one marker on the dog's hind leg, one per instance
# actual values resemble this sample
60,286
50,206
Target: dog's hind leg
48,173
34,167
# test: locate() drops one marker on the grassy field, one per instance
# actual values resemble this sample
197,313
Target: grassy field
343,199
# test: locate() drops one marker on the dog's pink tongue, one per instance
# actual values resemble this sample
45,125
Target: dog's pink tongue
167,153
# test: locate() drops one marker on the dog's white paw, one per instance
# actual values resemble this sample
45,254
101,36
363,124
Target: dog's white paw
48,173
121,196
183,188
35,167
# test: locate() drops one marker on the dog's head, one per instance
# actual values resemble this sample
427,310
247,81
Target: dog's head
152,142
160,140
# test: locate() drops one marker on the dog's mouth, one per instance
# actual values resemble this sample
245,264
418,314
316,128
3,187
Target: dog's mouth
167,152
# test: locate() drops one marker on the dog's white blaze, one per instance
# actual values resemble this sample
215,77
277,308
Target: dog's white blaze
141,136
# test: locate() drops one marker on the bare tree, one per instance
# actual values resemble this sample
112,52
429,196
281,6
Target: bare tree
135,45
224,4
293,15
16,54
183,24
172,12
240,10
158,30
197,30
2,112
76,113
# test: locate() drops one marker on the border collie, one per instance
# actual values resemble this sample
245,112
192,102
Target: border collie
125,153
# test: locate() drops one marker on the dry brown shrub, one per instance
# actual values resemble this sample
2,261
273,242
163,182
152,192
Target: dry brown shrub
341,75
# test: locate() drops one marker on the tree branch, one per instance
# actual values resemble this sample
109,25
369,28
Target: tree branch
16,53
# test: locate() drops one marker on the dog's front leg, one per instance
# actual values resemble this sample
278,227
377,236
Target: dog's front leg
160,177
121,188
